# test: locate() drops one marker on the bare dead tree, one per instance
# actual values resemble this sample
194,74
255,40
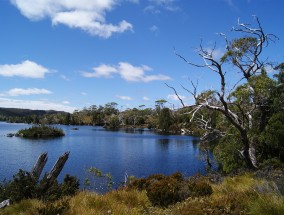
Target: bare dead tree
39,165
244,54
58,166
55,171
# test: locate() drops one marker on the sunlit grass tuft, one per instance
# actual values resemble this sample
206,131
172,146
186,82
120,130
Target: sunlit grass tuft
25,207
268,204
115,202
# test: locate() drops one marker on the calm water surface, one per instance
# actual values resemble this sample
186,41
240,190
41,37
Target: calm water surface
138,153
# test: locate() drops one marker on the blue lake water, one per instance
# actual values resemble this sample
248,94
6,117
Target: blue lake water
139,153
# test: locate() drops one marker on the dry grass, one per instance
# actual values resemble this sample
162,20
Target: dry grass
115,202
25,207
236,195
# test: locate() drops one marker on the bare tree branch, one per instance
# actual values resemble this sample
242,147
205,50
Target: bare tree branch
176,94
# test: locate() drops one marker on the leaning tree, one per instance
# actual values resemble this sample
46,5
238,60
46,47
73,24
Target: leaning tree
243,105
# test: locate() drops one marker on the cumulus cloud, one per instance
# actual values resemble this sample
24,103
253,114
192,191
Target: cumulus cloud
103,70
87,15
35,105
26,92
124,98
126,71
27,69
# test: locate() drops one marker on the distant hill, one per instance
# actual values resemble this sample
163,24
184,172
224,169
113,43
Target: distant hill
26,112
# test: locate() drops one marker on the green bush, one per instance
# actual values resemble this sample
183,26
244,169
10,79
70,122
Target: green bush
166,190
24,186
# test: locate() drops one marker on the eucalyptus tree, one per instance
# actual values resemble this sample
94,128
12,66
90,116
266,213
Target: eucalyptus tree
243,105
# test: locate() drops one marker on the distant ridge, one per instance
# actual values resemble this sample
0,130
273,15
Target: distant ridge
25,112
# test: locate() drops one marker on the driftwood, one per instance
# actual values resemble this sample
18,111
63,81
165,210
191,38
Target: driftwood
39,165
5,203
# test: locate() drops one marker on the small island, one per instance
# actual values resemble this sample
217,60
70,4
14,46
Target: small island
41,131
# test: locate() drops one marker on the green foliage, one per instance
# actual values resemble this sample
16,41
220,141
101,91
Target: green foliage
42,131
239,48
165,119
273,137
24,186
112,122
227,153
98,181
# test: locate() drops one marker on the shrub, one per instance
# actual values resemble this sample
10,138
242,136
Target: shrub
166,190
24,186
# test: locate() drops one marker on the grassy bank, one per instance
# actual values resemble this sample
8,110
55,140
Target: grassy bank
243,194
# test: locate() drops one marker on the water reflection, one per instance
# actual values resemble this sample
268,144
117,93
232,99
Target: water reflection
195,143
133,130
163,143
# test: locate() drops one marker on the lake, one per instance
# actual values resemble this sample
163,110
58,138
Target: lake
137,152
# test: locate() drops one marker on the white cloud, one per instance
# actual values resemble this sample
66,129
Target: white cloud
126,71
129,72
103,70
83,93
66,102
155,6
87,15
217,53
26,92
145,98
154,29
64,77
27,69
35,105
175,98
124,98
133,1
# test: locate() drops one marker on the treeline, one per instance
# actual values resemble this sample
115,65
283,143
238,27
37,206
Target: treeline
160,118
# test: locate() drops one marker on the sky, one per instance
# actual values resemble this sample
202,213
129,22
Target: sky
70,54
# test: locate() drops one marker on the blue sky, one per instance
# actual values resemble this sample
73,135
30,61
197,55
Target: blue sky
70,54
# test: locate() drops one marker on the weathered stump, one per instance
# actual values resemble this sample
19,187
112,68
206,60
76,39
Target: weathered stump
39,165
